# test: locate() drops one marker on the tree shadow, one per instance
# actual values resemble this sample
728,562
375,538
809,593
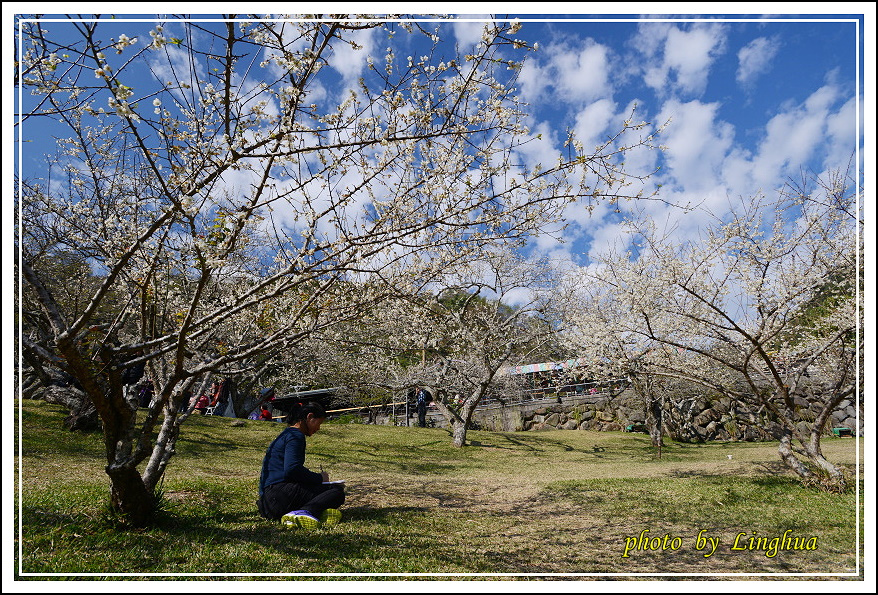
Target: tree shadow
522,443
296,543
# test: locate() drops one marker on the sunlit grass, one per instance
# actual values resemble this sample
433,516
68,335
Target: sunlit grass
539,503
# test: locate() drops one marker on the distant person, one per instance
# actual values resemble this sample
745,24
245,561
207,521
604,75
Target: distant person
201,404
289,491
145,394
423,399
265,414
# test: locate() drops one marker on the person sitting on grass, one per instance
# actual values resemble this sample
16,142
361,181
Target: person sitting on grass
289,491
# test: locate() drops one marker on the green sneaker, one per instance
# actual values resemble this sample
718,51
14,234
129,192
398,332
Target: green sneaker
300,518
330,517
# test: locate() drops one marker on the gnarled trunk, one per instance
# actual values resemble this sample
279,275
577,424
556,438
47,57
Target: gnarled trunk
130,497
460,425
654,422
827,476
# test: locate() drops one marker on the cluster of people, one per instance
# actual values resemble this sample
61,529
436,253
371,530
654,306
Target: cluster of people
221,392
219,395
263,411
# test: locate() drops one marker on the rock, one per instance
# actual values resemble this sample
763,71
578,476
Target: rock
238,423
800,401
721,406
570,424
705,417
637,416
553,419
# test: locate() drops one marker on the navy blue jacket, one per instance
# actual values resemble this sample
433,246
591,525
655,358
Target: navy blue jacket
285,461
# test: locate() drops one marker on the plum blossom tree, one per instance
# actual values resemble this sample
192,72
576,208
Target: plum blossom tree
487,315
452,337
763,309
228,181
599,329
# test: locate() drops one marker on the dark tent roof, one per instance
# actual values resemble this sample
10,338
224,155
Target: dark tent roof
324,396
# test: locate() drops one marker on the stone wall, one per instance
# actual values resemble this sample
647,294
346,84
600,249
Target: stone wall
690,420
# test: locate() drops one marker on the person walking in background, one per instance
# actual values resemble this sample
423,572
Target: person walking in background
288,490
422,400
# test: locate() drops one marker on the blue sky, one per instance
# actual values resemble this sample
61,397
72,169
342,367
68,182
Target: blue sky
750,104
751,100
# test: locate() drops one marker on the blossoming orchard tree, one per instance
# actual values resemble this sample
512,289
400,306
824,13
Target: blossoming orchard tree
452,336
600,330
483,316
227,180
764,309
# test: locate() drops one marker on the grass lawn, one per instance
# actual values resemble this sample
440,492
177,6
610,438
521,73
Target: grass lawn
530,503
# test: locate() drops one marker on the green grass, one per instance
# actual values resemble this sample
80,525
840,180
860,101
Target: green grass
538,503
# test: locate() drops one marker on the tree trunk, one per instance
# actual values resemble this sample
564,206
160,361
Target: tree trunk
654,422
787,455
460,426
644,386
129,496
458,433
829,477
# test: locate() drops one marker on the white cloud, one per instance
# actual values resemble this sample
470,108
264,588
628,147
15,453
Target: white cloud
533,80
792,137
348,61
609,238
540,149
697,144
469,33
572,73
843,136
755,58
678,61
582,75
593,121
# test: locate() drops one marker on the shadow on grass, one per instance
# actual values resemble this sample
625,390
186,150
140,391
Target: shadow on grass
404,460
521,444
344,545
776,471
191,524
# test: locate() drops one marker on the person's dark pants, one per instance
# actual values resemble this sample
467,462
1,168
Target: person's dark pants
281,498
422,416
